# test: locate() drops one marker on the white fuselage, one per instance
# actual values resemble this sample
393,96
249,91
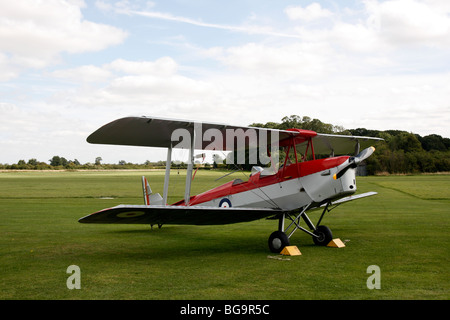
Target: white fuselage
289,194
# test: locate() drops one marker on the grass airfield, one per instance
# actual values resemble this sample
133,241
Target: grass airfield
403,230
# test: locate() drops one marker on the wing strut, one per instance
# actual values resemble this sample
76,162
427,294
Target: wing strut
190,167
167,176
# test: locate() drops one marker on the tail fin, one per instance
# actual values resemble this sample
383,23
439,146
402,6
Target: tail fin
148,196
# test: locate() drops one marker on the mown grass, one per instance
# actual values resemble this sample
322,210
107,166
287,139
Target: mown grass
403,230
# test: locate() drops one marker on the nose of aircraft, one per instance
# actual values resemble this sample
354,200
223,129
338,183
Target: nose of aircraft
354,161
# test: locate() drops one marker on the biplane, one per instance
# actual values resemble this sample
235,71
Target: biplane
305,171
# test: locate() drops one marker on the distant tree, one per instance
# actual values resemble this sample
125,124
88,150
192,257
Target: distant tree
21,164
386,136
306,123
446,142
70,165
433,142
407,142
98,161
365,132
58,161
55,161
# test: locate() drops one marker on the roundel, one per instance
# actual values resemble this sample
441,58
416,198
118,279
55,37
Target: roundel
130,214
225,203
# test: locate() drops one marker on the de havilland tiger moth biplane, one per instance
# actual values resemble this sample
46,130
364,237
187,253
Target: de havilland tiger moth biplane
317,172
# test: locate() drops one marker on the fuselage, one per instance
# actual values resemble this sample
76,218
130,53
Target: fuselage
292,187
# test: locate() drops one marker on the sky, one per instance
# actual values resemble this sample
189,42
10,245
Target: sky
68,67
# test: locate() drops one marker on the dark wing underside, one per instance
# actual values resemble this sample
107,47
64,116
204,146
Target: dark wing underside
194,215
157,132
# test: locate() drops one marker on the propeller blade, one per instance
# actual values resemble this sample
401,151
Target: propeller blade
363,155
354,161
341,172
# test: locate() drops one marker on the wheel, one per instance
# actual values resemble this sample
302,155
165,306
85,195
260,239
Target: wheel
277,241
325,236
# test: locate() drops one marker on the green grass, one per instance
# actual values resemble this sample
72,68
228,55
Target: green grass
403,230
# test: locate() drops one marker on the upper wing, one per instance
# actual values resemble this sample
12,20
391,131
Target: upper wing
193,215
340,144
157,132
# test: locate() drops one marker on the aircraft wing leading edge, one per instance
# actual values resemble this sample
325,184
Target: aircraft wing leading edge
187,215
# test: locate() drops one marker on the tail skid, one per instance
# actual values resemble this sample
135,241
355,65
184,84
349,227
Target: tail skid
149,197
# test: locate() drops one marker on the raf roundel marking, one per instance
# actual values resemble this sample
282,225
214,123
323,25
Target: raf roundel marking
130,214
225,203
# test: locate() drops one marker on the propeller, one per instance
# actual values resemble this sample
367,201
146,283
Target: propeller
354,161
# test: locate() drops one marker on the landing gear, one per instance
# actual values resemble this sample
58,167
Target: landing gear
277,241
321,234
324,236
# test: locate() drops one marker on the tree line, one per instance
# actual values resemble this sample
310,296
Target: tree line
61,163
402,152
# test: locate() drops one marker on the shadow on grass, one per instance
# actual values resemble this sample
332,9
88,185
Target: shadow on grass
178,241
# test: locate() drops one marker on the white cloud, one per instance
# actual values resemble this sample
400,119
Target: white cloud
7,70
246,28
147,82
355,38
382,26
34,34
144,87
123,6
293,60
312,12
164,66
88,73
40,133
402,22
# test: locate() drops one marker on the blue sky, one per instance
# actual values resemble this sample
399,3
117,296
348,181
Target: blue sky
69,66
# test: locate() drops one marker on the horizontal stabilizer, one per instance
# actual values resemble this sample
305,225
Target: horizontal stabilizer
156,198
187,215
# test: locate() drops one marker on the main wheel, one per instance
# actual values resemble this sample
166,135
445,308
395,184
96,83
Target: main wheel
325,236
277,241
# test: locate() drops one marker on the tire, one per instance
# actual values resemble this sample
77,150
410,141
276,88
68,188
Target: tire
277,241
325,236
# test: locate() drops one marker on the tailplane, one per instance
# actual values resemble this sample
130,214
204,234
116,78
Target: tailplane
149,197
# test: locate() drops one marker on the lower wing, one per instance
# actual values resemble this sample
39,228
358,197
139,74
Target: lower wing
193,215
354,197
